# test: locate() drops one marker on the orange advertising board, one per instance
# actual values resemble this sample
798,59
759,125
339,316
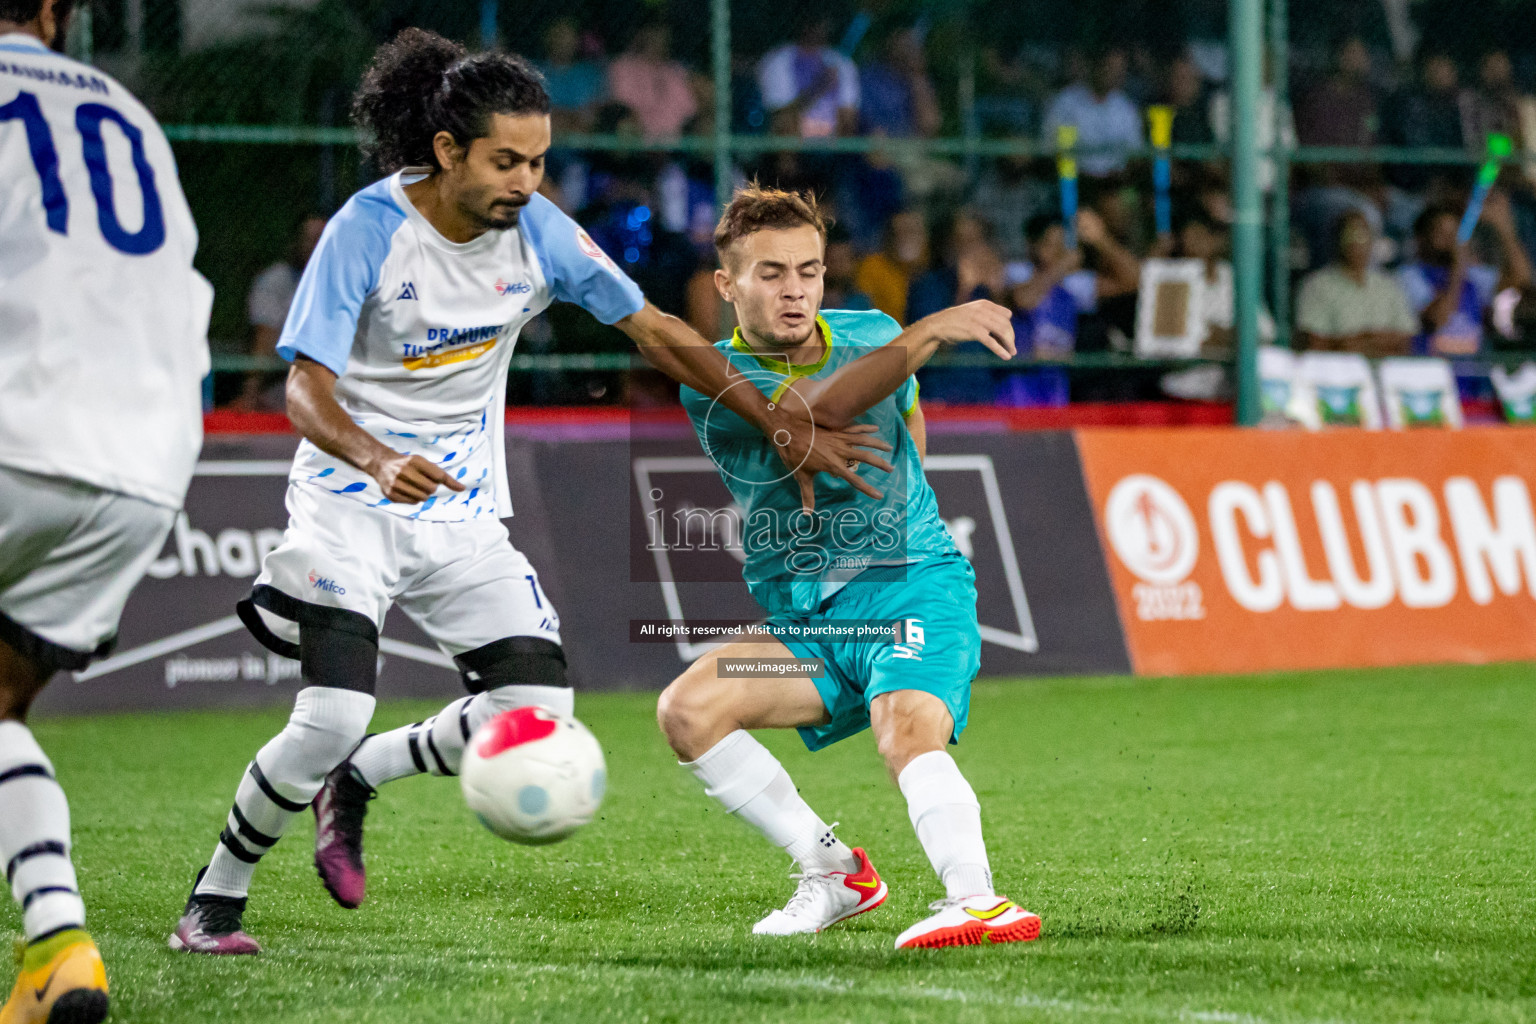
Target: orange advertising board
1237,551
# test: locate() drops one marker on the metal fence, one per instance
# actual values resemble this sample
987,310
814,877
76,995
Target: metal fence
255,99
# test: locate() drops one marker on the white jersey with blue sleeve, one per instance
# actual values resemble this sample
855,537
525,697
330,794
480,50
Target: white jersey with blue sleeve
419,331
103,321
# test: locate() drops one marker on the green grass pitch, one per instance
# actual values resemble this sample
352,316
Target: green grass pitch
1347,846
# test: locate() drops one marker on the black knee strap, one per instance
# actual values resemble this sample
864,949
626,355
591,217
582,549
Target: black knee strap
342,653
513,661
49,656
304,613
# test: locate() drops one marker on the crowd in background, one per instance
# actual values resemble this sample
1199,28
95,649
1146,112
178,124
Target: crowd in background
1375,263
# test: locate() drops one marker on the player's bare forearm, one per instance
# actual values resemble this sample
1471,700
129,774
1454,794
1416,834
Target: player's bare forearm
1517,265
681,353
1122,270
313,409
315,413
677,350
835,401
1438,313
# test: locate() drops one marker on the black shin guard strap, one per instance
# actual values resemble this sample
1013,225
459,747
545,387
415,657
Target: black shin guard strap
513,661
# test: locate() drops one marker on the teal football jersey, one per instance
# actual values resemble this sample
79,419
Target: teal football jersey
795,560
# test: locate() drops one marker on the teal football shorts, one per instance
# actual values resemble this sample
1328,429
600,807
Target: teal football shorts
934,644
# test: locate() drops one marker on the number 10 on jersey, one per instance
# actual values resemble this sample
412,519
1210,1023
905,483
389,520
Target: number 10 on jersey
45,159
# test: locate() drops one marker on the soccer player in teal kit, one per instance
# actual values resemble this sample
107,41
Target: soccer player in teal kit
886,569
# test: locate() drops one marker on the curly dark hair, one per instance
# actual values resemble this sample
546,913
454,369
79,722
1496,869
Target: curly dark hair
20,12
420,84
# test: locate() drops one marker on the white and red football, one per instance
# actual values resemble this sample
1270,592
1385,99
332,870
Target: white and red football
533,775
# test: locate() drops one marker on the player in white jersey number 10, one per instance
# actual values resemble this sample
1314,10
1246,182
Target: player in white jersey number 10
400,334
103,343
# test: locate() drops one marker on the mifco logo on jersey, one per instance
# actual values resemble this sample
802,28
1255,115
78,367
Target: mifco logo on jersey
330,586
512,287
1153,532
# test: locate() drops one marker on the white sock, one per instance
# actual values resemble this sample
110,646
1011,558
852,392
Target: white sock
437,744
751,784
34,836
947,816
325,726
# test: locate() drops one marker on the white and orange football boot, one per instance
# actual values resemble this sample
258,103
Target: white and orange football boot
62,981
824,898
970,920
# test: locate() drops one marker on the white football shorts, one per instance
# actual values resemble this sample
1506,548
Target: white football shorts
463,583
70,554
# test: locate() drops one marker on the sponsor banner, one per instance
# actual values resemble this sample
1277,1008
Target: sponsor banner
1238,551
1015,505
181,645
586,512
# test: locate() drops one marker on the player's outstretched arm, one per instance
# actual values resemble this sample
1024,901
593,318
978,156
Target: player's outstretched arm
835,400
680,352
312,407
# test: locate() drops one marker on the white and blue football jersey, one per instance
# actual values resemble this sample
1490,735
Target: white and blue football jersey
103,321
420,330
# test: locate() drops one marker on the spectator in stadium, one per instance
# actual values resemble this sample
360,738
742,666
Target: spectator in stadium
1103,114
648,81
1349,305
1221,125
1185,91
809,88
873,187
1199,236
1496,103
266,307
896,96
575,85
1008,192
896,100
1451,292
1011,88
1050,292
970,268
1342,110
886,274
841,264
1426,113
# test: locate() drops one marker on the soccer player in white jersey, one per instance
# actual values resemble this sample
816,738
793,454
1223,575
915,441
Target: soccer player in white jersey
400,334
103,343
